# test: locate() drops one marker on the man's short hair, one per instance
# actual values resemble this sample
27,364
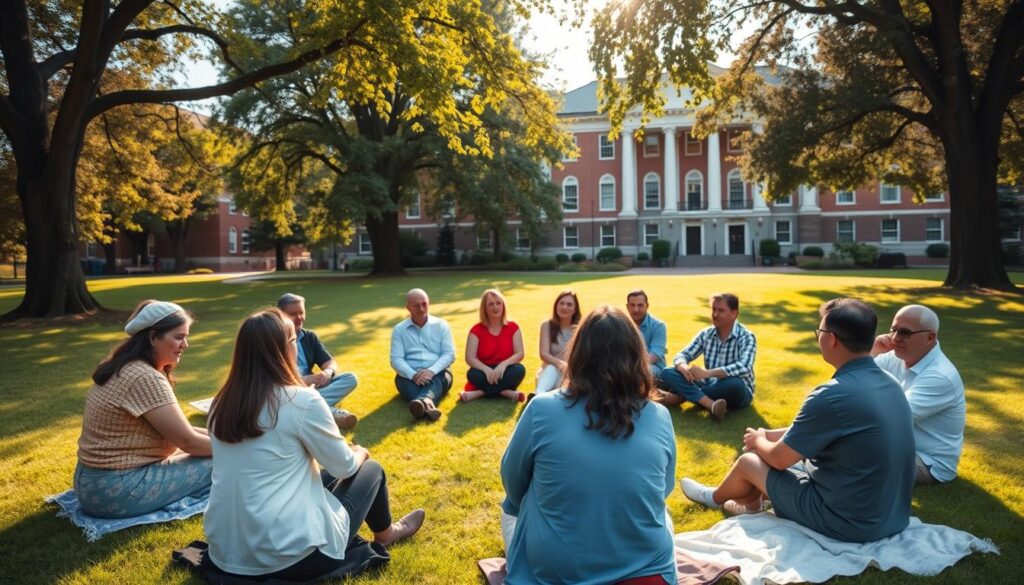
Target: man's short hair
926,318
732,301
853,323
289,299
638,293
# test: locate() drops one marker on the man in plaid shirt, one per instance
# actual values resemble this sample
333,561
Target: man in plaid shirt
727,380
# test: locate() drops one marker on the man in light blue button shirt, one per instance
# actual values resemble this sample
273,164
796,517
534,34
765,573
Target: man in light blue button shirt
932,385
421,352
652,330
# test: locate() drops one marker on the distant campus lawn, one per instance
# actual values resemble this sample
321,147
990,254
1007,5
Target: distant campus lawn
451,467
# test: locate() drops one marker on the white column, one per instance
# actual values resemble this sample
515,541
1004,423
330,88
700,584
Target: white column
808,198
671,171
628,174
714,173
759,203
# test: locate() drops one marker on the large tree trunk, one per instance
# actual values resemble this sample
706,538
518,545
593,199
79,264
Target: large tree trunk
383,232
496,244
976,257
280,256
177,233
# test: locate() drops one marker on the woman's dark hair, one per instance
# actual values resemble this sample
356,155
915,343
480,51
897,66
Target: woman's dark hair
608,370
139,346
853,323
260,364
554,327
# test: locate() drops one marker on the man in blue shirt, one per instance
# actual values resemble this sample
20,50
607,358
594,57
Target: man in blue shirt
727,380
651,330
853,434
421,352
329,382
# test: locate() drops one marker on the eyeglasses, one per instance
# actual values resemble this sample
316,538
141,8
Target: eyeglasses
818,332
904,333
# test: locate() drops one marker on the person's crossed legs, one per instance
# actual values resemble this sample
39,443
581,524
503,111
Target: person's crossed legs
423,399
745,485
726,394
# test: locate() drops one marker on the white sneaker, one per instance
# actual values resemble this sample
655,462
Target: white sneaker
698,492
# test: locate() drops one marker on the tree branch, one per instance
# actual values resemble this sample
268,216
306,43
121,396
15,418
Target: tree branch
120,98
1005,69
54,63
156,33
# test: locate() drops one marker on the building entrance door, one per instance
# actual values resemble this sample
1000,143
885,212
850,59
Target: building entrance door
737,237
693,240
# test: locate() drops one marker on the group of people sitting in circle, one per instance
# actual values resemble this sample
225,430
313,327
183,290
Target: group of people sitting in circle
590,462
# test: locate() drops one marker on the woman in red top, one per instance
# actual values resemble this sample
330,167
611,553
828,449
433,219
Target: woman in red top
494,349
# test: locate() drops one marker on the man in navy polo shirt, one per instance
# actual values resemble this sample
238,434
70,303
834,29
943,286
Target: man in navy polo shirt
855,438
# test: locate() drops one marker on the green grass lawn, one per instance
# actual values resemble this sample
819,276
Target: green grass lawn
451,468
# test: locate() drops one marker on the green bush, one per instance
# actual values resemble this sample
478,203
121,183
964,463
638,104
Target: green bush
606,255
815,251
937,250
813,264
579,257
478,258
661,249
609,267
561,258
410,247
361,265
643,256
863,255
613,267
770,249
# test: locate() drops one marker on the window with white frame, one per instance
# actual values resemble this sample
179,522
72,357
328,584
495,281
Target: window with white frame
483,241
571,237
846,198
940,196
846,231
364,243
246,240
232,208
692,146
737,190
606,147
652,233
784,200
783,232
652,147
607,236
652,191
570,194
694,191
890,230
933,229
889,193
571,157
607,191
413,211
522,240
232,240
448,209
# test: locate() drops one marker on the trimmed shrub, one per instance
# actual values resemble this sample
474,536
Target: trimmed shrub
892,259
606,255
937,250
770,249
410,247
579,257
812,264
661,249
361,265
561,258
863,255
445,246
815,251
478,258
643,256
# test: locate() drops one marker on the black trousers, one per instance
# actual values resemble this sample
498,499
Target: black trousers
510,380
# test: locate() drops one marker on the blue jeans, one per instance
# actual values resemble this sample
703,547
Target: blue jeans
341,386
433,390
127,493
510,380
732,389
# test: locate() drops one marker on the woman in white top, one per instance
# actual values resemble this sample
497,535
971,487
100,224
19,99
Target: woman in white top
273,514
555,334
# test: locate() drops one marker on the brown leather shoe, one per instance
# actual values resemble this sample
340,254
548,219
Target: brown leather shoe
344,419
404,528
417,409
718,409
431,412
666,398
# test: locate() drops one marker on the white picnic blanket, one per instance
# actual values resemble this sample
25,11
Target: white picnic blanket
769,549
96,528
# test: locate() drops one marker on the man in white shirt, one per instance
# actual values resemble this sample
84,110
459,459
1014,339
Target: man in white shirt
421,352
932,385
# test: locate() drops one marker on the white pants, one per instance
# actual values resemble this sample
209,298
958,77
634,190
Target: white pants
549,378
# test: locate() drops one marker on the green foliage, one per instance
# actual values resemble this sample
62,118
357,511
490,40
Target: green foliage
811,264
561,258
410,247
770,248
445,246
863,255
661,249
815,251
361,265
937,250
643,256
606,255
526,263
578,257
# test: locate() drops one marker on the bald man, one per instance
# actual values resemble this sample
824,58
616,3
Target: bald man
421,352
932,385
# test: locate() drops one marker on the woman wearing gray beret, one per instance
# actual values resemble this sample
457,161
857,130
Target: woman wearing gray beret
137,452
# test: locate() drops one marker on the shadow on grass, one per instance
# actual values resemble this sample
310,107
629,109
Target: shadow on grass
482,412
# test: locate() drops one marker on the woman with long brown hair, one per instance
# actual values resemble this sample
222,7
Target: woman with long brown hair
555,334
137,452
589,466
273,514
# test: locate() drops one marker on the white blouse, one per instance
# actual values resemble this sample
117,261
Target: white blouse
268,508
